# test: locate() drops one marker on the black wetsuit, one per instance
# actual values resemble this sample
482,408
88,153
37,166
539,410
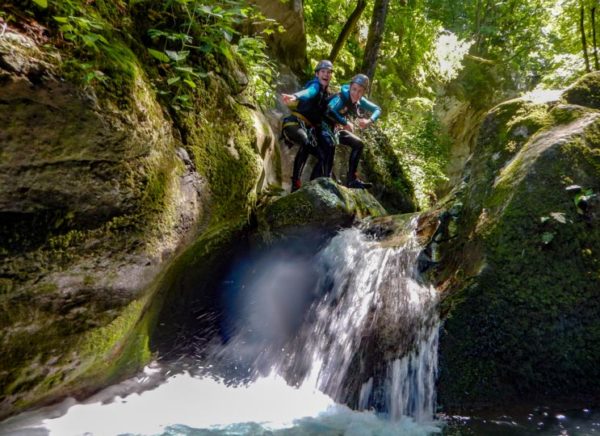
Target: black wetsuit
304,128
338,108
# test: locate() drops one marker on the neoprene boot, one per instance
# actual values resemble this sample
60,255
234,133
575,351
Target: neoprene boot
296,184
355,183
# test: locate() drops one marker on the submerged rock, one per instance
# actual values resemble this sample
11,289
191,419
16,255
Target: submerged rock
521,266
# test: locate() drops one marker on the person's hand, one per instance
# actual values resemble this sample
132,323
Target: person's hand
288,99
349,127
363,123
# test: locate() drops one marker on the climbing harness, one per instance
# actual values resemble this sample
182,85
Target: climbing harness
297,119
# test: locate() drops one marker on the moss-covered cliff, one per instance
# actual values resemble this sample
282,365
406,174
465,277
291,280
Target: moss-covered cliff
520,260
127,177
101,184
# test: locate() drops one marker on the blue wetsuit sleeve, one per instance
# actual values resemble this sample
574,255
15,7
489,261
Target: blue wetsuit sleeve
370,107
308,92
335,105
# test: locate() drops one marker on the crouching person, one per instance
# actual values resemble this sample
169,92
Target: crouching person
350,102
303,126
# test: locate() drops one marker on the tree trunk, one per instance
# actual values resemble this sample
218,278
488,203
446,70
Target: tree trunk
477,32
375,37
583,41
347,29
596,65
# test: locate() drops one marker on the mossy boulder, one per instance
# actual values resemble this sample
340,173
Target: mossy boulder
322,205
521,267
584,92
380,166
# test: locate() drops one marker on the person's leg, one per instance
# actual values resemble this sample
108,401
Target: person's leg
357,145
297,135
324,151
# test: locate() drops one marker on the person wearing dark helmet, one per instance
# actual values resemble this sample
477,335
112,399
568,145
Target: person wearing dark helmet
303,126
350,101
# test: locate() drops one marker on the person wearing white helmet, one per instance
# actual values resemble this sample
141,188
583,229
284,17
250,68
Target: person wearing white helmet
350,102
303,126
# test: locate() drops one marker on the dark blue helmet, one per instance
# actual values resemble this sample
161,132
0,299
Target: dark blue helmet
362,80
324,65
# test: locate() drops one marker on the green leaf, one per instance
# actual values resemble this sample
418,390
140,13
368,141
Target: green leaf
41,3
189,83
547,237
61,19
158,55
173,80
66,28
177,55
224,49
90,39
188,70
102,39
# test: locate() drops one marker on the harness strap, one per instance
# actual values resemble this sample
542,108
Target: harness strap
303,118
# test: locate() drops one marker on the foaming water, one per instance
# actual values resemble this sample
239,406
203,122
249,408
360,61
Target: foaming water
188,405
353,325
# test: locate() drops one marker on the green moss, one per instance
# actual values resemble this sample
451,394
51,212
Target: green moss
585,92
321,204
90,360
564,114
219,139
382,167
190,280
124,339
74,341
526,325
510,125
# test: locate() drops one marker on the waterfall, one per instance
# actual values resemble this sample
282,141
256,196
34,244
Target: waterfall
306,335
368,331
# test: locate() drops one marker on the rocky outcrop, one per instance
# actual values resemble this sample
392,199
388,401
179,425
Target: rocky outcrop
322,205
585,92
381,166
519,261
99,190
461,122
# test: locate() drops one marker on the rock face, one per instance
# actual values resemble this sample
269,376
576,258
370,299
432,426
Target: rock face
461,122
289,46
520,259
98,191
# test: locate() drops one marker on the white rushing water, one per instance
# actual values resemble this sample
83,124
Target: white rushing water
367,337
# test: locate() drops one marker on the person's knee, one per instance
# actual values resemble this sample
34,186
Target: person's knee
296,135
357,143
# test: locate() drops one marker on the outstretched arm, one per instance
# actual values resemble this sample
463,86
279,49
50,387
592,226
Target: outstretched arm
304,94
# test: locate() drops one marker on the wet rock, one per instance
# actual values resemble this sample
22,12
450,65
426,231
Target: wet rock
321,204
522,271
100,190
